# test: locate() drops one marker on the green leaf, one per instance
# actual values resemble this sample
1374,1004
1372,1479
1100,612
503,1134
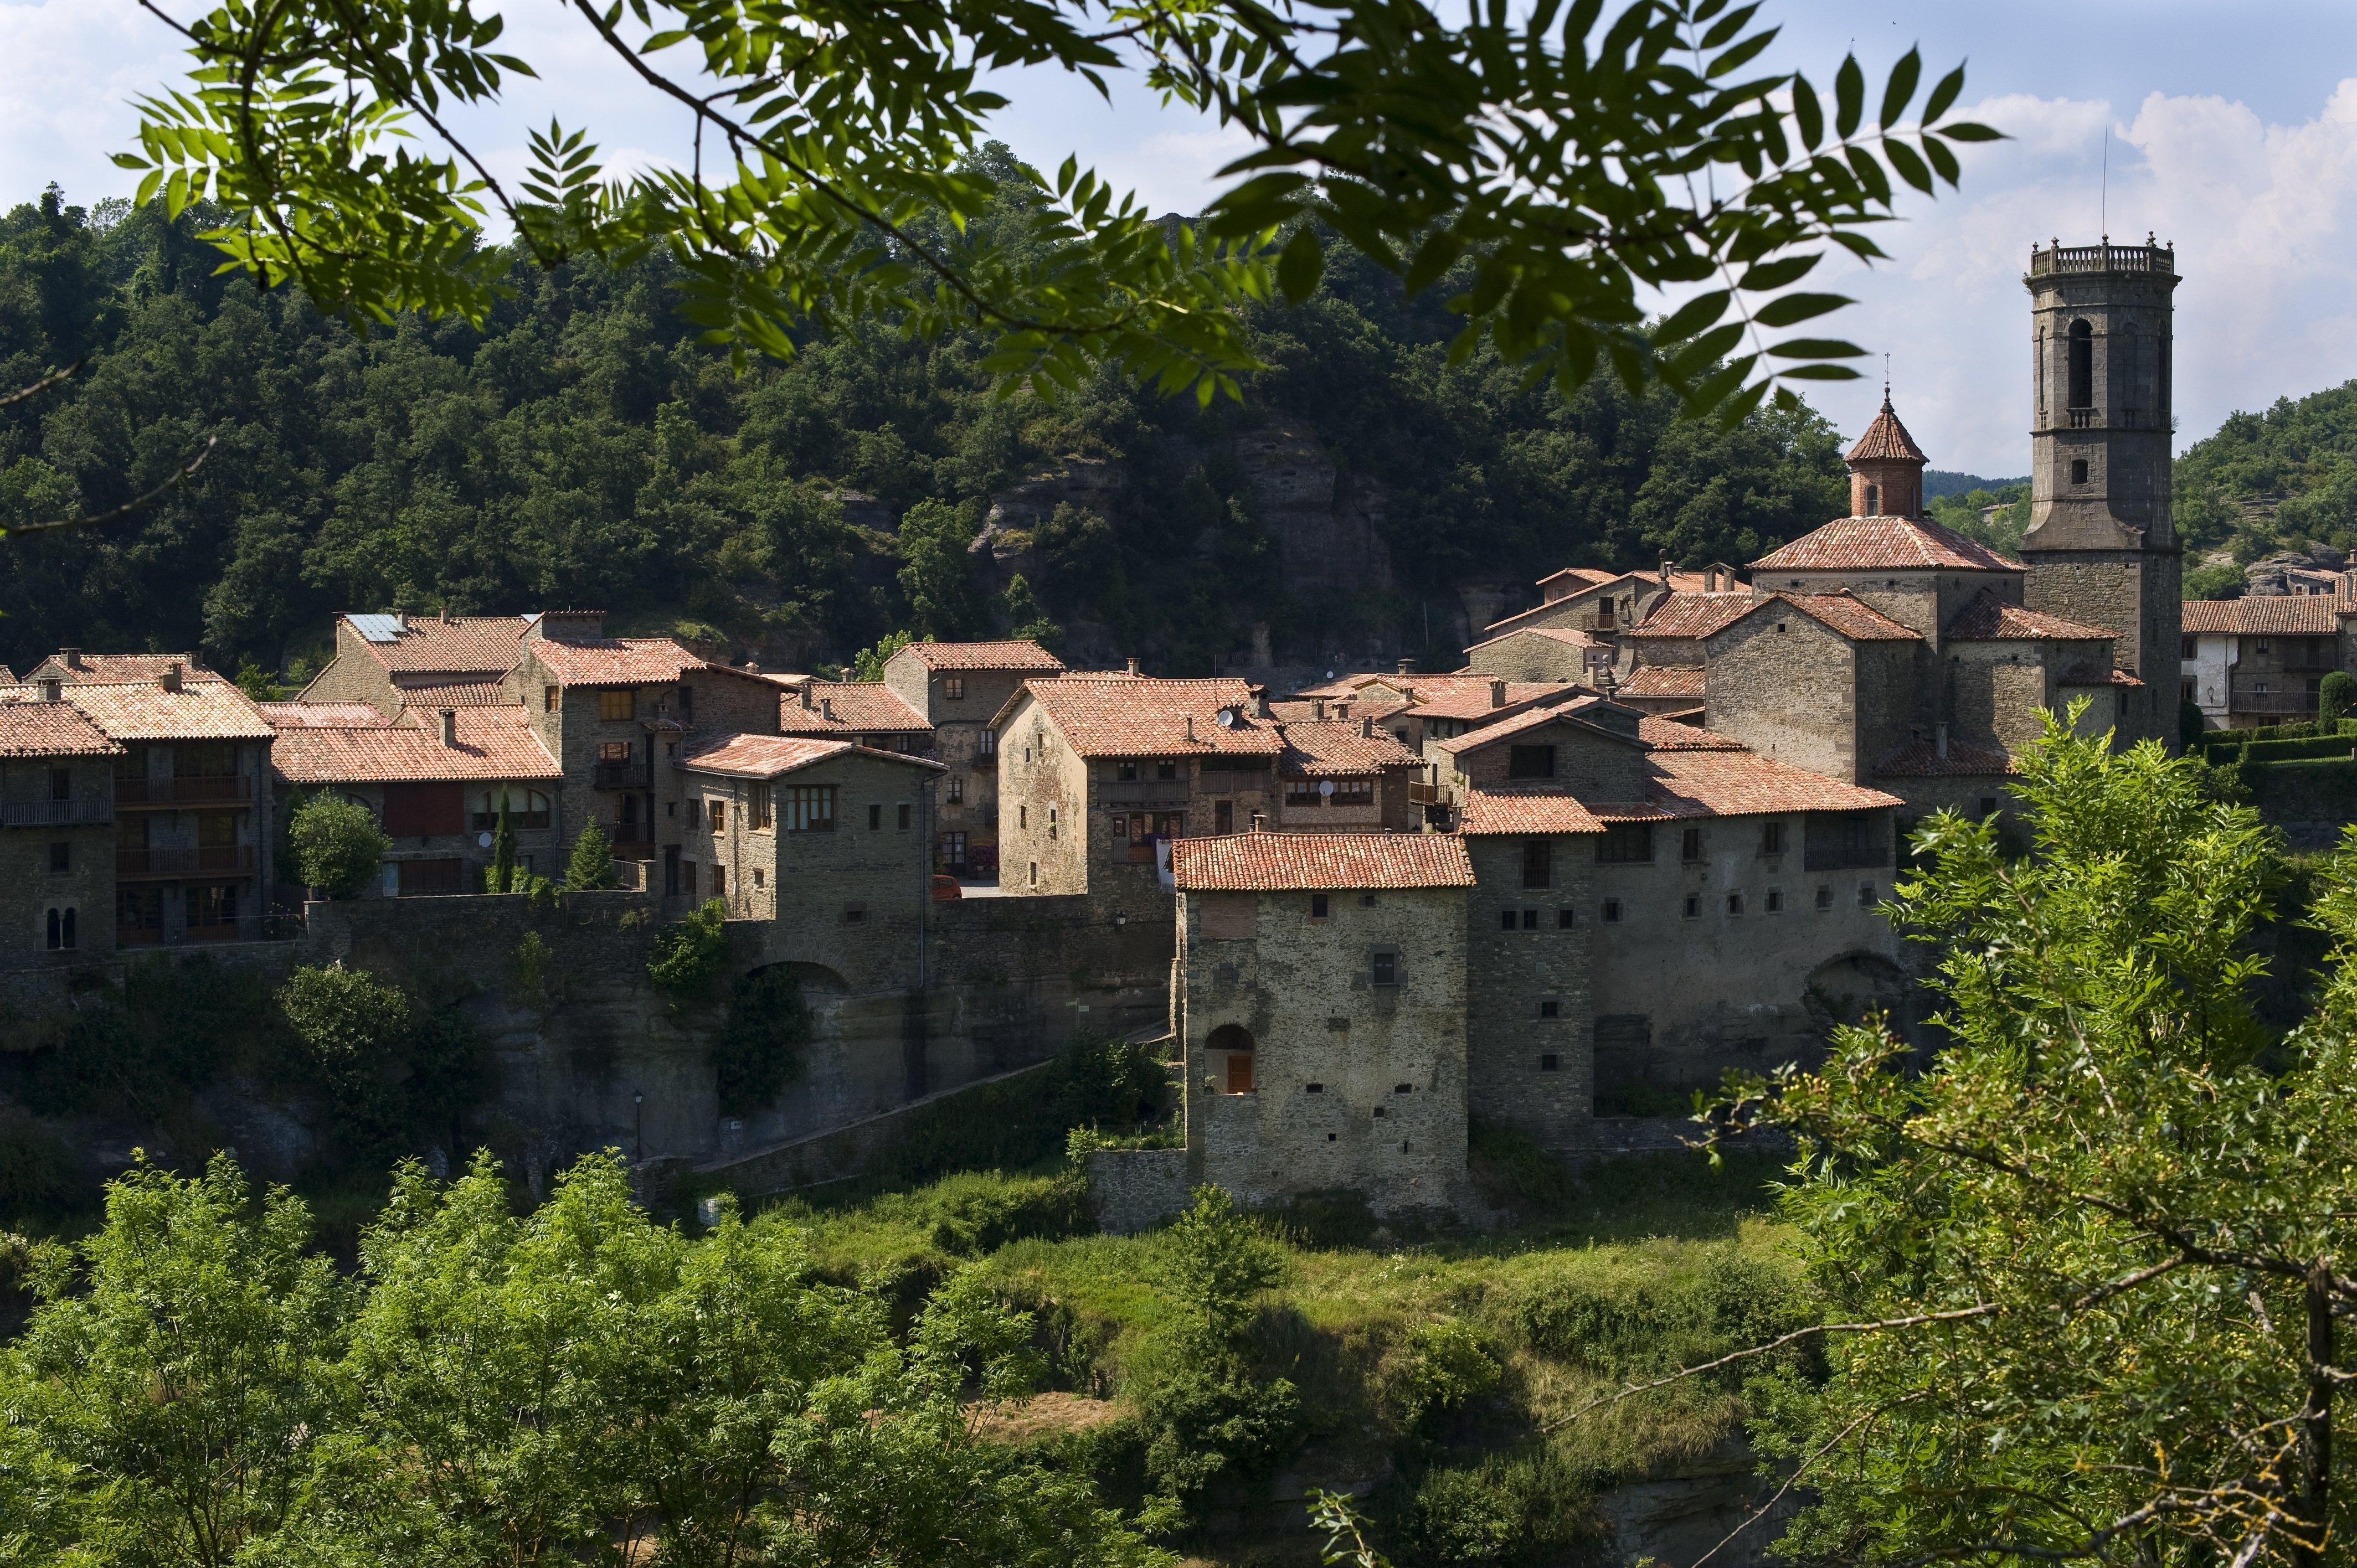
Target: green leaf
1693,316
1300,265
1849,98
1967,130
1818,374
1943,95
1910,166
1787,308
1815,349
1942,159
1779,274
1901,87
1808,114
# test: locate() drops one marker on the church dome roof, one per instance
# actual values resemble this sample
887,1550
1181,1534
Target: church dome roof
1886,440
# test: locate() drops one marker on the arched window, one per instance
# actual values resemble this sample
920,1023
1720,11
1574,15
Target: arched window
59,920
1874,500
1233,1044
2082,365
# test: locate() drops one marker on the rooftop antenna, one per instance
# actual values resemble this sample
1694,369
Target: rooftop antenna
2103,199
1885,378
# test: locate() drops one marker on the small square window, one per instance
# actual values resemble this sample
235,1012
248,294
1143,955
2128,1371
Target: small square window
1366,900
1612,911
1314,1087
1771,838
1126,772
2078,470
60,859
953,688
1318,905
1506,921
1775,900
1735,903
1693,906
1563,919
1166,771
1530,919
1550,1062
1824,898
1865,895
1988,807
1550,1009
854,914
904,810
1386,966
616,704
1690,846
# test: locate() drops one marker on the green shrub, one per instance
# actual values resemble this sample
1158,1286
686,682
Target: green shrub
499,877
389,1067
689,956
759,1050
592,866
337,846
167,1032
2192,723
1449,1366
2335,694
1509,1510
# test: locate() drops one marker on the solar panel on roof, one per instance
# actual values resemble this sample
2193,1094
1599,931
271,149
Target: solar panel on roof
377,628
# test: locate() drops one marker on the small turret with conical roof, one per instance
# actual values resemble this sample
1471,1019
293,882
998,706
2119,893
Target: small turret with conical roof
1886,468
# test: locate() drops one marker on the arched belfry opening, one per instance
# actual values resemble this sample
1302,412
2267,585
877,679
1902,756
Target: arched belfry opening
1874,500
2082,365
1228,1050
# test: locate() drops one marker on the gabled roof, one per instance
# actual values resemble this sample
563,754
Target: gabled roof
1585,576
1886,440
1332,747
1664,681
1693,615
617,660
1012,654
1570,636
1282,862
1921,760
492,744
1680,582
1594,714
199,710
117,667
1524,812
1851,617
321,715
1474,696
463,644
2095,675
1883,544
456,694
1130,715
860,707
2270,615
769,755
50,729
1663,733
1990,619
1743,784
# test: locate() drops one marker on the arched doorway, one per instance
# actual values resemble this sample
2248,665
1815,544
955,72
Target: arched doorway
1228,1053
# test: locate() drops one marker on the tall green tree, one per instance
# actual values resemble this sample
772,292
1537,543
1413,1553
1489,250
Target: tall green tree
501,873
2089,1259
1565,159
339,848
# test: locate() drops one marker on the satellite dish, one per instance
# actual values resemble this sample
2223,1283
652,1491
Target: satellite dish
482,841
1227,718
1326,788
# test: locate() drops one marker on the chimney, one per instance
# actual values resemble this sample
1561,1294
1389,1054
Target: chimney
752,667
1366,726
52,690
1133,666
1318,707
1497,694
1259,702
1260,821
72,657
1407,666
826,708
805,689
1190,726
445,615
1710,579
1939,739
171,682
450,717
1666,574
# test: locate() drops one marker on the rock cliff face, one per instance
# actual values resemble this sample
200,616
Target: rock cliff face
1328,527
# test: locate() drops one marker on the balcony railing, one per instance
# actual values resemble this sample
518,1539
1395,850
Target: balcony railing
182,792
180,860
2103,259
1170,793
2240,702
636,774
56,814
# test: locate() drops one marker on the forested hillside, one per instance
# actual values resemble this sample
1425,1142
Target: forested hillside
1368,498
2281,478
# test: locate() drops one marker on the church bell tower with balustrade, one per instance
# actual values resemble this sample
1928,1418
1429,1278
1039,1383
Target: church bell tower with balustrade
2100,547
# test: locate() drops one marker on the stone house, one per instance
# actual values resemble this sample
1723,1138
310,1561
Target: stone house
193,827
434,782
1422,710
958,687
1321,1010
2258,661
71,667
1098,771
831,839
388,661
1551,654
1602,604
865,713
57,831
1341,775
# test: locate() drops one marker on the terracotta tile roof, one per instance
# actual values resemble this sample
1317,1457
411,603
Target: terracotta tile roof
50,729
1587,577
1990,619
1587,712
1015,654
1883,543
199,710
2276,614
119,667
1350,685
2095,675
1742,784
1921,760
321,715
1335,747
486,644
1664,732
1853,618
1122,715
1664,681
457,694
1689,717
1470,696
1569,634
7,676
860,707
769,756
1693,615
1281,862
616,660
1524,812
1886,439
493,743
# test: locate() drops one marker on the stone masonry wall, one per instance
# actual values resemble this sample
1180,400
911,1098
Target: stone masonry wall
1527,1066
1790,696
1136,1189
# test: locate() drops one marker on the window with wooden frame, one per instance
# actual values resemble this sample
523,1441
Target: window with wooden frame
1530,762
957,787
808,808
613,751
758,807
548,699
719,816
953,688
616,704
1538,863
1624,843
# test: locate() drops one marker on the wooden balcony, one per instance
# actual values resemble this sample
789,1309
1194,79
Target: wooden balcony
169,794
80,812
636,774
2295,702
183,861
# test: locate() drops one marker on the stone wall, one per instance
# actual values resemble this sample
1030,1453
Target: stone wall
1136,1189
1790,695
1529,1023
30,856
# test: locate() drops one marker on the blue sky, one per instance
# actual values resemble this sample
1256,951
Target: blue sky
2233,131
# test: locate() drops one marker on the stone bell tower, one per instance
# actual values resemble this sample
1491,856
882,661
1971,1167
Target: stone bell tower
2100,547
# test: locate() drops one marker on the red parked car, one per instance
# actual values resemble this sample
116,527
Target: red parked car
945,888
